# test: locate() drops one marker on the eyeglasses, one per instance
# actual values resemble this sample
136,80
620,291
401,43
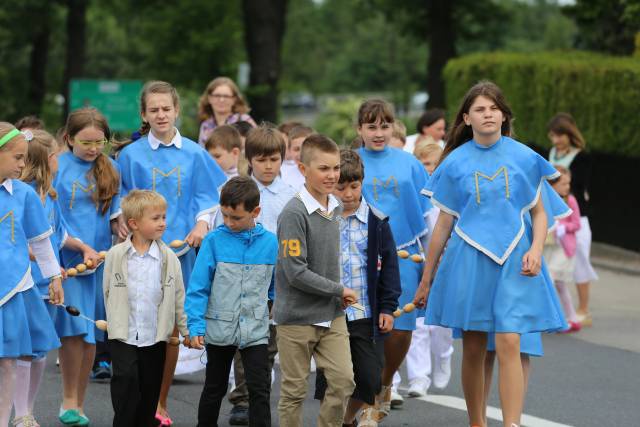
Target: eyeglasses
220,96
89,144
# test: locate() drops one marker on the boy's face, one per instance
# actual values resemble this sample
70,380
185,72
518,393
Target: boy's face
350,194
225,159
322,173
430,161
151,225
396,142
375,135
238,218
266,168
295,146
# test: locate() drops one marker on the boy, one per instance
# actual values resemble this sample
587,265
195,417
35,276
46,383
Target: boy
224,145
290,170
398,135
309,308
369,266
226,302
144,298
264,149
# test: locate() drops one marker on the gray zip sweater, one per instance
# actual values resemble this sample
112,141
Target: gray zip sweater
308,288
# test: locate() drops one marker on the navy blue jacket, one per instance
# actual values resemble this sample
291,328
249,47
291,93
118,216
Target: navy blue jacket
383,273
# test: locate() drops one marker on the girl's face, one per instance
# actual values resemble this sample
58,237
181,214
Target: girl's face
561,142
485,118
563,185
375,135
436,130
161,113
13,157
222,99
88,143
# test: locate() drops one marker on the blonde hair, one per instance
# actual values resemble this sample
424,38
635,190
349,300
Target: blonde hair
226,137
399,130
264,141
204,108
425,147
37,168
5,128
134,203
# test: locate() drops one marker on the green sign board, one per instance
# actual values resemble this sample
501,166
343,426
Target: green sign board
116,99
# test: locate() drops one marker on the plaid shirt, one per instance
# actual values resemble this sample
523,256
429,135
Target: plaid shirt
354,239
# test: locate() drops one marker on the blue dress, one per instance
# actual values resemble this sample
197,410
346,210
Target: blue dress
394,183
478,285
85,221
187,178
22,221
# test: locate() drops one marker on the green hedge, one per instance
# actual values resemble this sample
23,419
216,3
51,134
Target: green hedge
601,92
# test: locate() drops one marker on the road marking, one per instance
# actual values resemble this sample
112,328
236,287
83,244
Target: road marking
492,412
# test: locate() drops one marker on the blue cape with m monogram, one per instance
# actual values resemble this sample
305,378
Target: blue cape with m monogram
491,190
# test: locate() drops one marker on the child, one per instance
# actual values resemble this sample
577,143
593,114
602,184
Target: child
265,149
22,223
560,252
224,146
88,186
227,302
394,183
185,175
369,266
491,278
144,296
309,308
290,169
428,152
398,135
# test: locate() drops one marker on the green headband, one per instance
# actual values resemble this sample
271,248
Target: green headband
9,136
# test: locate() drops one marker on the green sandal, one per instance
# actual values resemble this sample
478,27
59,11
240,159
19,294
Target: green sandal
69,417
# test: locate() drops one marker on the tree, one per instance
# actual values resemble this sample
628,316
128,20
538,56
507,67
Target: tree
76,46
264,30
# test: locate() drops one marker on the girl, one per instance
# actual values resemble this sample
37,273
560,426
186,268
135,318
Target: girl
187,177
394,183
491,277
22,223
569,152
221,103
87,185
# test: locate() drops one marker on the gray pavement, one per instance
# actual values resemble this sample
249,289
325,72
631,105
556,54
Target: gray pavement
586,379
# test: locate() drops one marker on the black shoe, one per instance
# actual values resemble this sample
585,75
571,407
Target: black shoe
102,371
239,416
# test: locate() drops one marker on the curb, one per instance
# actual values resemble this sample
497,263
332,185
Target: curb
616,259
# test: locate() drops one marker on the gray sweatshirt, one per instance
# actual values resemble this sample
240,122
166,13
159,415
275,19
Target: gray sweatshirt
308,288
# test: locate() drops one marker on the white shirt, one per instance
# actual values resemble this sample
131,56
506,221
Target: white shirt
145,295
273,198
410,143
312,206
291,174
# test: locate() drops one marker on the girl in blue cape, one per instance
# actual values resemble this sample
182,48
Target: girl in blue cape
394,182
187,177
23,223
88,186
491,278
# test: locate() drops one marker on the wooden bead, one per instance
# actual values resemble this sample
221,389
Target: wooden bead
89,263
81,268
416,258
176,243
101,324
72,272
408,308
102,254
397,313
403,254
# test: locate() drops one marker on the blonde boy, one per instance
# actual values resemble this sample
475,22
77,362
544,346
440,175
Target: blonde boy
290,170
144,300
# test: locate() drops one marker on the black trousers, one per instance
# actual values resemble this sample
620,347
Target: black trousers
135,384
367,356
257,376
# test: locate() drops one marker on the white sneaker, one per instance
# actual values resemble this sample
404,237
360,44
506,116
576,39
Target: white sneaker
418,388
396,399
442,372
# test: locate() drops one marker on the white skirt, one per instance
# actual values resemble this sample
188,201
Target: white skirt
561,267
584,271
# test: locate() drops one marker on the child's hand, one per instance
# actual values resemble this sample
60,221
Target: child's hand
194,238
348,297
119,228
32,257
56,294
420,298
385,322
197,342
531,263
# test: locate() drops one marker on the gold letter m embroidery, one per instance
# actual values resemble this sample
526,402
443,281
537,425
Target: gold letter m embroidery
478,175
12,225
385,185
166,175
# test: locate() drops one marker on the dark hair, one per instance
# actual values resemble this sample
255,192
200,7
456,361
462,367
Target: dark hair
564,124
428,118
460,132
152,87
226,137
374,109
240,190
317,142
243,127
351,167
264,140
356,143
30,122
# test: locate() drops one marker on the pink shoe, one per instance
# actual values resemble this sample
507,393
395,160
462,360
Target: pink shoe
573,327
164,421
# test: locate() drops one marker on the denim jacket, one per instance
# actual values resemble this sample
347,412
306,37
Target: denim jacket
228,291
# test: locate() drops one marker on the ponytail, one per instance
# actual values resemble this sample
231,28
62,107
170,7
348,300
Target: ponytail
107,182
